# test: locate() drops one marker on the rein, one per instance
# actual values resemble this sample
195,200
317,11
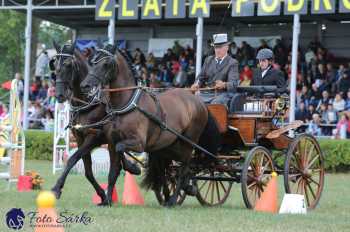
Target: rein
148,88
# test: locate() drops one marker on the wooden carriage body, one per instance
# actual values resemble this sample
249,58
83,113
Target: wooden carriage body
255,125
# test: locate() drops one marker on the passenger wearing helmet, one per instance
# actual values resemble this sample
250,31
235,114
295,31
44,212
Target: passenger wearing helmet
266,74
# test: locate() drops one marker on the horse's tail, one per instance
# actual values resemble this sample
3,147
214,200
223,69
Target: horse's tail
155,172
210,138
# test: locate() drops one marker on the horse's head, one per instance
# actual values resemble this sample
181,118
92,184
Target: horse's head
103,70
67,70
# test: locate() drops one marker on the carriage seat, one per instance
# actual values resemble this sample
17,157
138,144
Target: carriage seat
237,102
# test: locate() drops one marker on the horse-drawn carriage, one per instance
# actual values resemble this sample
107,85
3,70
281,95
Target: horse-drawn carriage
110,108
255,142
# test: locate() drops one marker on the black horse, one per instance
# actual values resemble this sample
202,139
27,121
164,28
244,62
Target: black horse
71,69
138,113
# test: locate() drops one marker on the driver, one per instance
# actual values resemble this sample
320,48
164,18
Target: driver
219,71
266,74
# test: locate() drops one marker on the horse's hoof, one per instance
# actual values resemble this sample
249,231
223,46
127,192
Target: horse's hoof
105,203
132,168
171,203
57,193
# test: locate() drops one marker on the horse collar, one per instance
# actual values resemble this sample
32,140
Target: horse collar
130,106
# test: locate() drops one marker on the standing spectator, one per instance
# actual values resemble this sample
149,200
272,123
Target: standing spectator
20,86
280,53
177,49
233,50
339,103
41,66
263,44
309,56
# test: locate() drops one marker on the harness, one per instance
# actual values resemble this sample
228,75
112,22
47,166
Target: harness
133,105
74,110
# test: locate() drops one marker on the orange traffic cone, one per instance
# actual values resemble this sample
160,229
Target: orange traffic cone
96,199
268,200
131,193
47,216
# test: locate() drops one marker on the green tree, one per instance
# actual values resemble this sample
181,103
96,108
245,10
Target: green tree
12,29
49,31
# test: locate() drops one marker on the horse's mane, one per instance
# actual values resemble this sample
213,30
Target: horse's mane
110,48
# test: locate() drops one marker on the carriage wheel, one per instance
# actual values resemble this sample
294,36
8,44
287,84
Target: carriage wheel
256,173
304,169
213,192
171,183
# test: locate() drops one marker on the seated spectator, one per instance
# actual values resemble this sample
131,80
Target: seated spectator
191,73
48,121
323,112
246,81
347,101
151,61
338,103
311,111
246,72
331,115
325,100
166,76
342,126
344,83
315,95
5,114
314,125
35,119
301,113
153,80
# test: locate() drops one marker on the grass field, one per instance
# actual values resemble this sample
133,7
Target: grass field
333,213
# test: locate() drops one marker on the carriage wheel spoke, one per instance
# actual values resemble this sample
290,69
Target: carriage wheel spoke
217,190
290,176
223,186
206,194
204,182
251,185
261,162
310,154
265,166
313,161
298,185
313,181
212,193
306,195
311,190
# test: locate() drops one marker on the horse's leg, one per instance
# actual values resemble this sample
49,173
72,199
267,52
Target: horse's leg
85,149
114,171
90,176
